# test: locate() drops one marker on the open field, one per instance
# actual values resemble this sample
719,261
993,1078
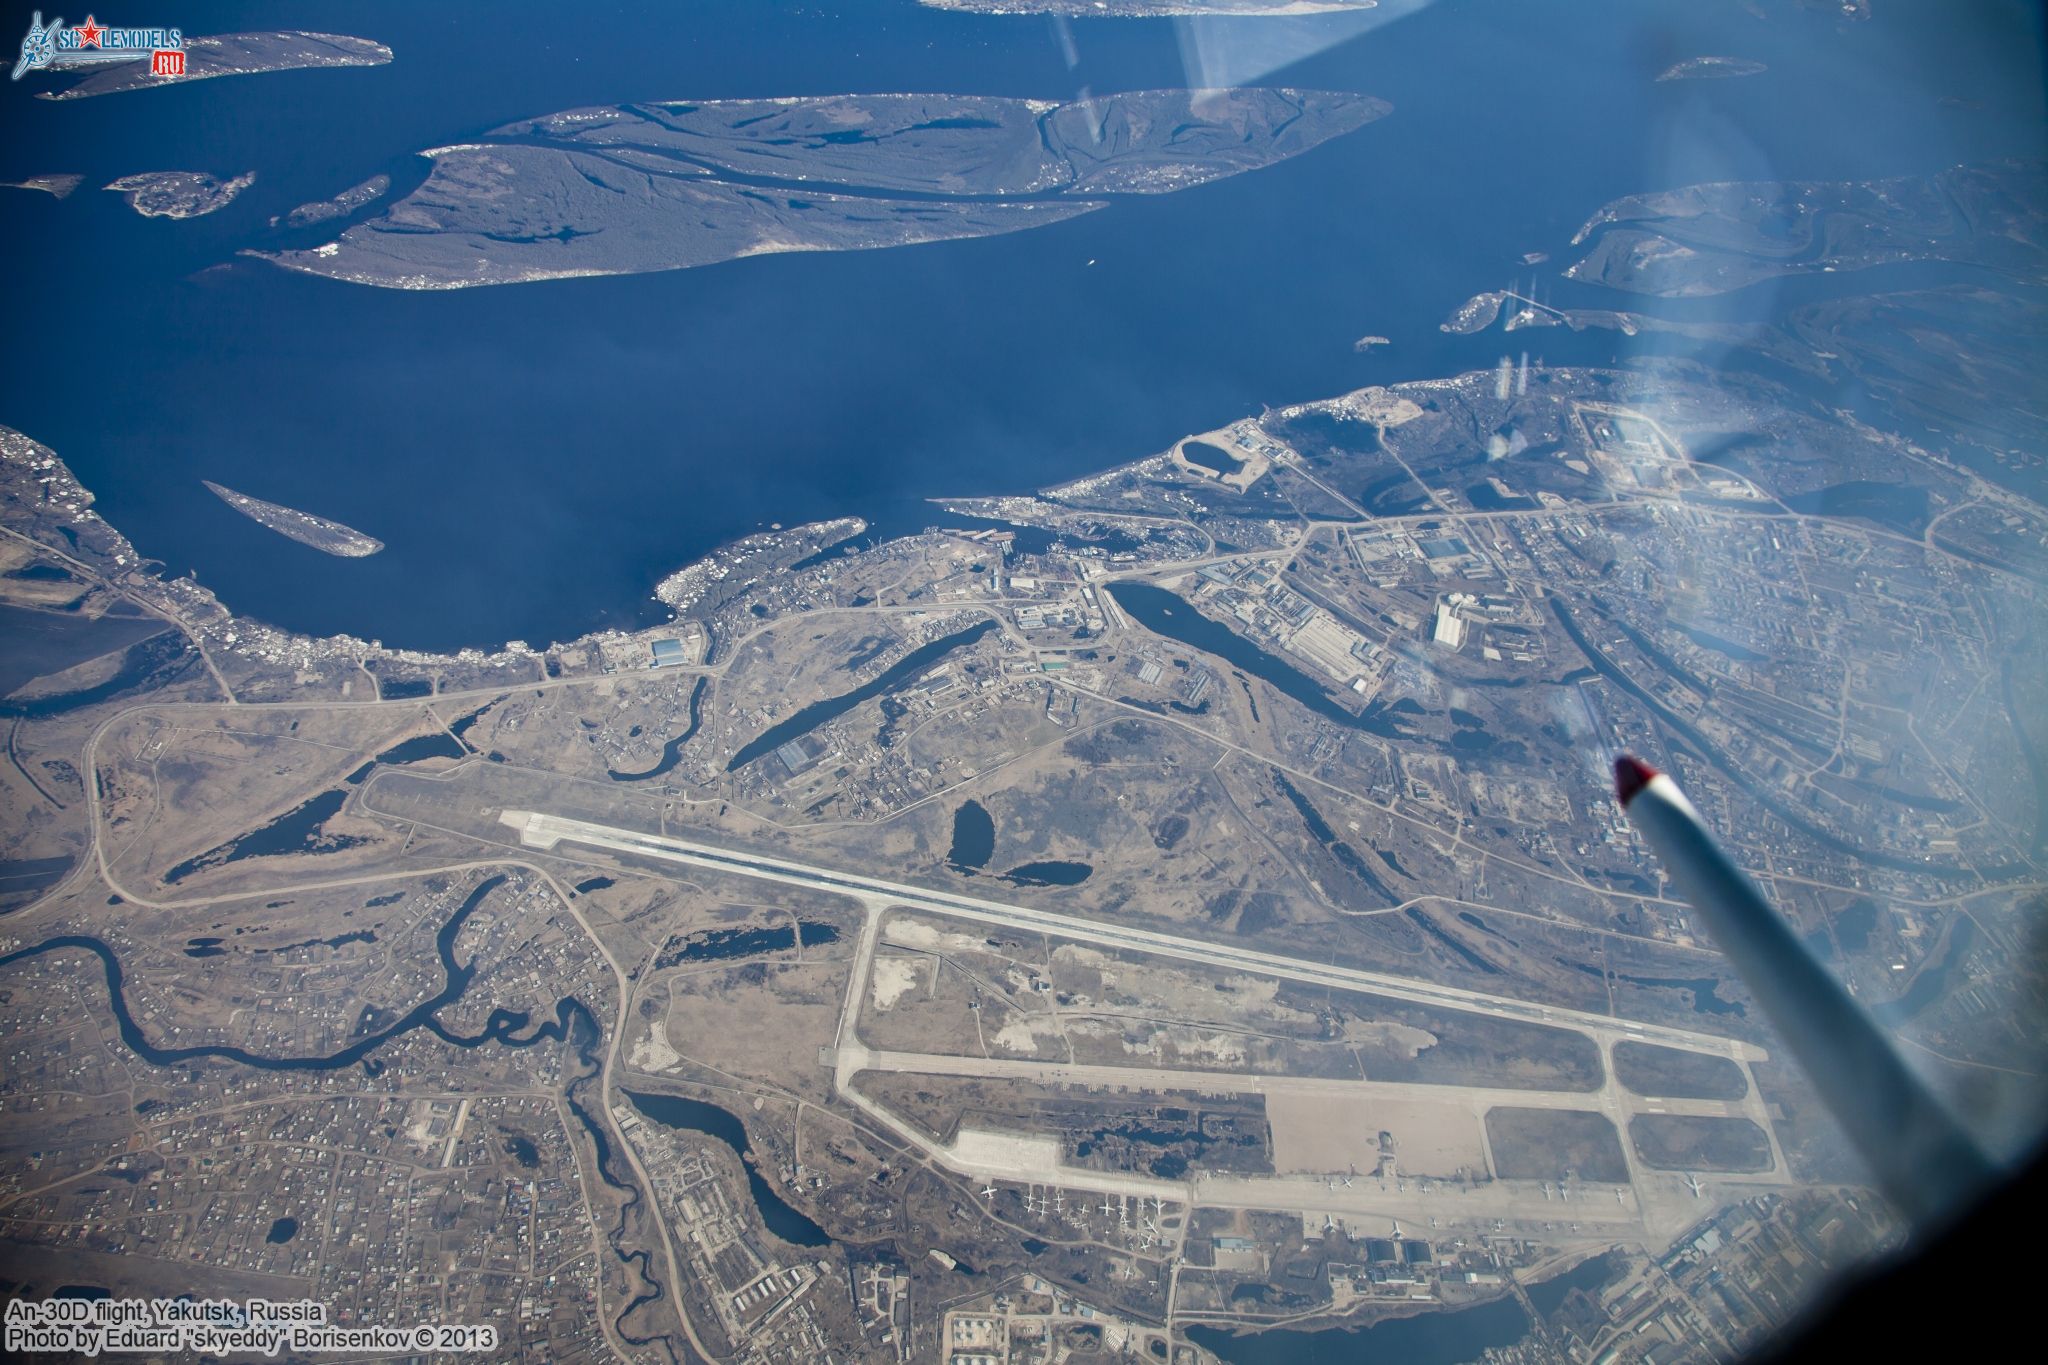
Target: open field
1674,1073
1555,1144
1684,1142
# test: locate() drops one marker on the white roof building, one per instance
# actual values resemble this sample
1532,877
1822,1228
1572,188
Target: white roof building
1450,628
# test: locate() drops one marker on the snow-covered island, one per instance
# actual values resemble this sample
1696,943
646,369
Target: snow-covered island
329,537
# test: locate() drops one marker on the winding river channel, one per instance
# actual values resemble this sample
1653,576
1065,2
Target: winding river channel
573,1020
573,1023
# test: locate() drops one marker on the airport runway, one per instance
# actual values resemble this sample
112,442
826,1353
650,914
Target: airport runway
542,831
1652,1203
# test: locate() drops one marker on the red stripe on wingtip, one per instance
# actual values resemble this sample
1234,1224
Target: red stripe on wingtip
1631,775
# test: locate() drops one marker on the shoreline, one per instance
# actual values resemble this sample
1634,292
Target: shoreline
42,501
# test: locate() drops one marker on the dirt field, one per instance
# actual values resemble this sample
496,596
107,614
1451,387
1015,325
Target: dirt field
1314,1134
1674,1073
753,1019
1549,1144
1678,1142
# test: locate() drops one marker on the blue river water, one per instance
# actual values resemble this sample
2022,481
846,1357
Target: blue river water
537,457
1438,1338
716,1121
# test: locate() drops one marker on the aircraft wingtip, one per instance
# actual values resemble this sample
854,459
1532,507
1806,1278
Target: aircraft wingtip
1631,775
